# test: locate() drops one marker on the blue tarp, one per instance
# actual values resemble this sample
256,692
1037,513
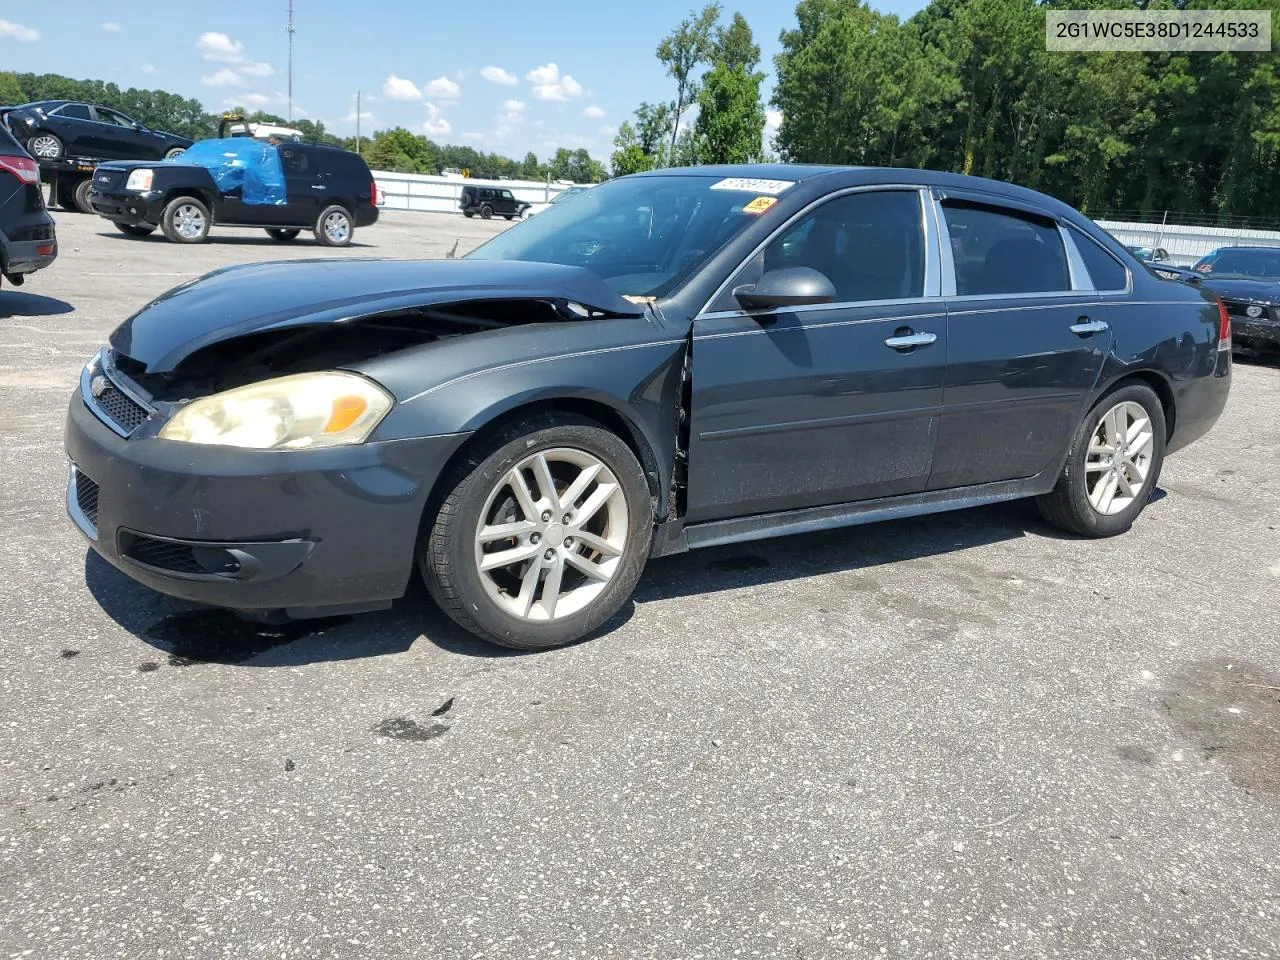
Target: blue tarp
242,162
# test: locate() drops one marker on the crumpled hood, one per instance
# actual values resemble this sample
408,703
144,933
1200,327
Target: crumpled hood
1263,291
240,300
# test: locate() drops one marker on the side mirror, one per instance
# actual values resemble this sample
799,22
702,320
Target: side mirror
786,287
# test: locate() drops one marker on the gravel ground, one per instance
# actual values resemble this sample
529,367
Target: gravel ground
959,736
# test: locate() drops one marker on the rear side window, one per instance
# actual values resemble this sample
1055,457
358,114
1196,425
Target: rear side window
73,111
295,162
1106,272
1002,252
343,163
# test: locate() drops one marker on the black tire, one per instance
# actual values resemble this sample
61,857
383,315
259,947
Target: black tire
82,196
57,152
327,233
135,229
509,216
445,554
282,236
468,214
1067,506
177,207
486,212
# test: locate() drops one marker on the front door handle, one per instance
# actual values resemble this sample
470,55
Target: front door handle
1086,327
910,341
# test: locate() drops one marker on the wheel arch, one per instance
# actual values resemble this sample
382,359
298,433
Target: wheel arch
194,193
1158,383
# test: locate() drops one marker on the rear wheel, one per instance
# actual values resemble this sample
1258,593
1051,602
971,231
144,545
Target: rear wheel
135,229
82,196
509,216
486,212
542,534
185,220
174,152
282,236
334,227
1113,466
468,214
45,146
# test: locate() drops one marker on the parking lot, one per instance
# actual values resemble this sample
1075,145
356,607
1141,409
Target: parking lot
963,735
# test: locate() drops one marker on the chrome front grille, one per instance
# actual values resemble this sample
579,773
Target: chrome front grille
108,393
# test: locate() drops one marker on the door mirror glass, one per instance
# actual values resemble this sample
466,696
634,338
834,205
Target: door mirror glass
786,287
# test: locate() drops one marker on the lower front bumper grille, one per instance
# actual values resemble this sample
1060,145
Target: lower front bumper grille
82,502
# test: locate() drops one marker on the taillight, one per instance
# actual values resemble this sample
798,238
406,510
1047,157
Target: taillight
24,168
1224,326
373,192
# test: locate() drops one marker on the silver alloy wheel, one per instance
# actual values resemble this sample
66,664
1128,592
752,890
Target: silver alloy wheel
552,534
337,227
44,147
188,220
1119,458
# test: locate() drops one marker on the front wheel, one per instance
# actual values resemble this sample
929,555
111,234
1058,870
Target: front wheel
282,236
334,227
1114,464
542,534
135,229
185,220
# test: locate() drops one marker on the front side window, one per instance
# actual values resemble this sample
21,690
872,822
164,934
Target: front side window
1001,252
642,235
506,195
869,245
73,111
118,119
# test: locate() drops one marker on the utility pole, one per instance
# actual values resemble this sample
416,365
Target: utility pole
290,28
357,121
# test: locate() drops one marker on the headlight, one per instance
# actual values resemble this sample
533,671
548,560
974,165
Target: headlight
139,180
1253,310
302,411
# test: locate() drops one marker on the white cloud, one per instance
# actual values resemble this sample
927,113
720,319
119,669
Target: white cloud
148,68
772,119
595,113
220,48
250,99
499,76
110,27
550,84
442,88
16,31
513,106
472,138
226,77
608,130
254,68
435,124
366,116
398,88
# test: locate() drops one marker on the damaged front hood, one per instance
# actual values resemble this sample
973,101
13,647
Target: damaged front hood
254,298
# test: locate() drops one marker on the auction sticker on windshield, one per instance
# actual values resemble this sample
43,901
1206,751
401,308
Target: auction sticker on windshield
759,204
751,185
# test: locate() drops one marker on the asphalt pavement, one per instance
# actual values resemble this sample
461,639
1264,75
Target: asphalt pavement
960,736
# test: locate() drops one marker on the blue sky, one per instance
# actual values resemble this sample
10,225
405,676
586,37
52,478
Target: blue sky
517,77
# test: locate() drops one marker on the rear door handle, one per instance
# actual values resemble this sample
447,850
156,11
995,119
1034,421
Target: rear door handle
317,186
1085,327
910,341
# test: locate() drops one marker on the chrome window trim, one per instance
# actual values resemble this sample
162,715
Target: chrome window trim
703,313
1076,270
1079,297
939,313
1069,229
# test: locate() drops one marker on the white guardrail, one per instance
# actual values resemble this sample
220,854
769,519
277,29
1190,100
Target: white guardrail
419,191
1186,245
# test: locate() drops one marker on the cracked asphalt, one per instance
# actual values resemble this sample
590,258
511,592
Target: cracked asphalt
960,736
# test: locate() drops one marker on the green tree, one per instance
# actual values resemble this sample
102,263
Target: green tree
10,90
401,151
730,124
681,52
628,156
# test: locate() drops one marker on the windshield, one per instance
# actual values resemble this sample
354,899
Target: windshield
641,235
1254,264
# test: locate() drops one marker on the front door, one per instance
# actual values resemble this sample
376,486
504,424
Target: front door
1025,347
829,403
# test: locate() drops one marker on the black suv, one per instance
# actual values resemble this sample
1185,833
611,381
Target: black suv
53,129
27,240
323,189
487,201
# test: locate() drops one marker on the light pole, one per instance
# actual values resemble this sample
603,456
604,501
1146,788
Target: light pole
290,29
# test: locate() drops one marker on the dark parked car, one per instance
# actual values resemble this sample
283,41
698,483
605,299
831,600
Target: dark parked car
27,239
673,360
53,129
1248,281
488,201
299,186
1150,254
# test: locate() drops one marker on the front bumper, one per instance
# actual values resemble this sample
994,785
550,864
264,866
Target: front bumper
306,533
1262,328
125,207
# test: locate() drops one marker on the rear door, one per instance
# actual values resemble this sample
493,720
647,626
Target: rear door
1027,337
73,124
307,184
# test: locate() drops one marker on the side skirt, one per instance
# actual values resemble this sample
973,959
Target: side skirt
673,537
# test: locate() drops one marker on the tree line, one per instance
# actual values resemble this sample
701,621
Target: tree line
397,150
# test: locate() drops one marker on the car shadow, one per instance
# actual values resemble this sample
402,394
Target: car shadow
217,240
1257,358
15,304
184,634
